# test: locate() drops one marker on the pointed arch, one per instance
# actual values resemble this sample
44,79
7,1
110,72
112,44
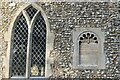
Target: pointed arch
38,45
18,50
30,23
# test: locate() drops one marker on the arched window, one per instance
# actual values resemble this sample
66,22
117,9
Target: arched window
19,47
38,46
88,48
29,44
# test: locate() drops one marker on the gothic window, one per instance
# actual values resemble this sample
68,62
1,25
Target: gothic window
28,46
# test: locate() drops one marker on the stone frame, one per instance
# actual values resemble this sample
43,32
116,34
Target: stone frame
101,61
49,39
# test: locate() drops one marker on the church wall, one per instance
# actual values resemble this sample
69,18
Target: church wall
64,18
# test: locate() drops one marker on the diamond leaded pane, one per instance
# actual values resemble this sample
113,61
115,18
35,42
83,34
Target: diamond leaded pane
19,45
38,47
31,11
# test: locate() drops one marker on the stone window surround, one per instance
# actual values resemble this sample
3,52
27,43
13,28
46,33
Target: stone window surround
76,33
49,39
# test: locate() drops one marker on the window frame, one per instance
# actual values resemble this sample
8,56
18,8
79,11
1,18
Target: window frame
49,40
101,35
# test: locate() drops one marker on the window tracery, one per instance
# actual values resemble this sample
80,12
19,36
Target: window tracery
22,59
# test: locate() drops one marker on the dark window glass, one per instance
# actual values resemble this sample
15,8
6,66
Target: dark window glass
31,11
38,47
19,47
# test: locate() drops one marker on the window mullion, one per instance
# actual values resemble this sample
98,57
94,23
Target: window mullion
28,54
28,46
28,59
30,41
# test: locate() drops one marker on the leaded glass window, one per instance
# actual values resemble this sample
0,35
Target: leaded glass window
19,47
31,11
38,46
28,47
